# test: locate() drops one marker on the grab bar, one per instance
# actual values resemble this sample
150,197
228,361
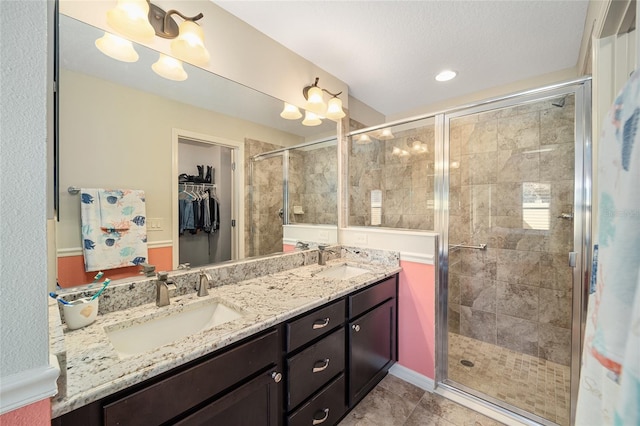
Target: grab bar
478,247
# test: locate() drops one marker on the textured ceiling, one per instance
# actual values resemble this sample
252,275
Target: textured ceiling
389,52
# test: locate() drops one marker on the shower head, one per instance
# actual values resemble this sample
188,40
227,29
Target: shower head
559,103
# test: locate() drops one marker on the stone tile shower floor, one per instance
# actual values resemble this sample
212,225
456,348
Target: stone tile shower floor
394,402
533,384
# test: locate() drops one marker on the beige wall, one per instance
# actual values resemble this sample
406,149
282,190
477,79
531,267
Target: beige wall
113,136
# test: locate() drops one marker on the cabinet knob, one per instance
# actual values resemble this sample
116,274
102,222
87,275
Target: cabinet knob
325,364
355,327
321,323
325,415
277,377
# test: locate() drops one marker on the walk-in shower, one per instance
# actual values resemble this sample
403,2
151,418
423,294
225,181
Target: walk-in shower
506,185
515,188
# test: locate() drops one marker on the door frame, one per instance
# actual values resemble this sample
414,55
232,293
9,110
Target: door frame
237,189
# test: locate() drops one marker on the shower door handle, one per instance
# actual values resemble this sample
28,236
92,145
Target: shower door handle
573,256
281,213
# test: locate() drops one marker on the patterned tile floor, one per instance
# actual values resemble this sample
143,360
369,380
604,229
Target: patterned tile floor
394,402
527,382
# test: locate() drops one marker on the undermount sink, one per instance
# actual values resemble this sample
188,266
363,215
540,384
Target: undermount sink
342,272
144,334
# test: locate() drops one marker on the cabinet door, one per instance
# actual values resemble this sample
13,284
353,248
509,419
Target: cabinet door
372,340
253,404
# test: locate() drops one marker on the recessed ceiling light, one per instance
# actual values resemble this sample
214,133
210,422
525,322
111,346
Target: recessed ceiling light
446,75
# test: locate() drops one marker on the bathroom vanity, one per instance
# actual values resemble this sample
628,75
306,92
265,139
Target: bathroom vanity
311,342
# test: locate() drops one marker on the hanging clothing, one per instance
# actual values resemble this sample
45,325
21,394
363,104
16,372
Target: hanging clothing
215,214
186,215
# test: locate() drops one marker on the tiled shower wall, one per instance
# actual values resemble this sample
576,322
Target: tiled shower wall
516,293
313,185
267,200
406,180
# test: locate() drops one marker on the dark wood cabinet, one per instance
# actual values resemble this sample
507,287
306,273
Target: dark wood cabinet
216,382
253,404
309,370
372,349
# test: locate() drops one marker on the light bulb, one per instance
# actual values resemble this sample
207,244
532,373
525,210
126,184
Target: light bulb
131,19
363,139
334,109
311,119
169,68
315,102
290,112
386,134
117,48
189,45
446,75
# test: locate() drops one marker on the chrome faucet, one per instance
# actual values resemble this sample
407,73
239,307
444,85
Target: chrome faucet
302,245
203,283
322,250
162,289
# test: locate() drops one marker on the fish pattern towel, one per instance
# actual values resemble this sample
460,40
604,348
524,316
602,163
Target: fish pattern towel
612,338
114,230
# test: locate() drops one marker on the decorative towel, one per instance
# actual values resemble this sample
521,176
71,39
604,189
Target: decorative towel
612,342
114,230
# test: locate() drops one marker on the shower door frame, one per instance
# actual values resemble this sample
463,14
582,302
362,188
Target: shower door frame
284,153
581,89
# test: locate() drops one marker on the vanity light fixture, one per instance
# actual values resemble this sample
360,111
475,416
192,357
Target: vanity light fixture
315,108
446,75
117,48
140,20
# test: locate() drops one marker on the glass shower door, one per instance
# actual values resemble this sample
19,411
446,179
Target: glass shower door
266,202
510,229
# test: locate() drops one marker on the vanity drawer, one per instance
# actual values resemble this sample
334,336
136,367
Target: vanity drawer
167,398
372,296
315,324
326,408
312,368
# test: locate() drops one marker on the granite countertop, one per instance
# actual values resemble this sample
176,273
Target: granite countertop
94,369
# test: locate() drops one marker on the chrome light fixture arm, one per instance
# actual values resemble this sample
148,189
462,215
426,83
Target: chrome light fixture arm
305,91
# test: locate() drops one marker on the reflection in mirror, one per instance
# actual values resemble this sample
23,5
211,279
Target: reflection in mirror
391,176
313,184
310,192
116,126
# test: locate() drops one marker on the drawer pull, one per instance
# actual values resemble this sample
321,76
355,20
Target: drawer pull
277,377
324,418
324,367
355,327
321,323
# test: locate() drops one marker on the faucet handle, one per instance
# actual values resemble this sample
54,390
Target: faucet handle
162,275
322,247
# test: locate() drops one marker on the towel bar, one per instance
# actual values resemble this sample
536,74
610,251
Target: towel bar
478,247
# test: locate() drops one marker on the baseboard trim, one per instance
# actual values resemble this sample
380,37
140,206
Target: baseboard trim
28,387
413,377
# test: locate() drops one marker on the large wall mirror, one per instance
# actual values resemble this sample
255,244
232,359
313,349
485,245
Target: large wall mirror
122,126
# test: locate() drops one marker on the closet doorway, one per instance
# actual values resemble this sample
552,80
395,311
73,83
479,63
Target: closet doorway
205,199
